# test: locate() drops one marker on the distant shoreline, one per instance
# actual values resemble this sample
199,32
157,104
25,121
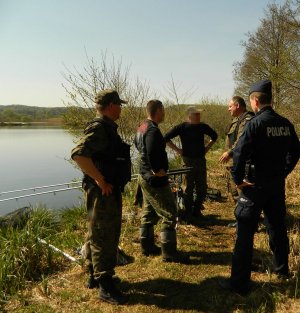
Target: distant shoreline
3,124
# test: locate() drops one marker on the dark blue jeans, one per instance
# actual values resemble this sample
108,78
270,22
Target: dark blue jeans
269,198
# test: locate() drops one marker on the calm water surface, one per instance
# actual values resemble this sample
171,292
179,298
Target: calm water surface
31,157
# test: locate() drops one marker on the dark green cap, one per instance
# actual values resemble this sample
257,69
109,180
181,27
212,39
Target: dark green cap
107,96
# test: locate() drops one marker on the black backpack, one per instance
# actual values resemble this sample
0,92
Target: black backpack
115,168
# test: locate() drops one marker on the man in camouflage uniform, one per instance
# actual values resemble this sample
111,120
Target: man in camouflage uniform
97,155
159,201
237,109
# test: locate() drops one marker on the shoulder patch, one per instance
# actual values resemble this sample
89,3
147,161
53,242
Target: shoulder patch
249,116
93,125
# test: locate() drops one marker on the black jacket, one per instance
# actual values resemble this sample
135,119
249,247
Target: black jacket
102,143
271,144
152,148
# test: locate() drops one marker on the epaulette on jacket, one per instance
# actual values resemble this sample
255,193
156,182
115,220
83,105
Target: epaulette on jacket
249,116
92,125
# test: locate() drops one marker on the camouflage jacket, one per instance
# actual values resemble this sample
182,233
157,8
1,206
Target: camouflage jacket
102,143
235,130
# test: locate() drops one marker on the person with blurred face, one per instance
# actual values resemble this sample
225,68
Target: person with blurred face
192,137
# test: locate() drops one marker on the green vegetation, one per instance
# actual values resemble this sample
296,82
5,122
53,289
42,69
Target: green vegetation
33,278
23,258
22,113
272,52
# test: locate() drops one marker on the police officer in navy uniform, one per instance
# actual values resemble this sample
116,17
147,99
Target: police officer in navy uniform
271,144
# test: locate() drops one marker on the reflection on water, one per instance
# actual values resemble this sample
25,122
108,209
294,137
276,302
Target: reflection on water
36,156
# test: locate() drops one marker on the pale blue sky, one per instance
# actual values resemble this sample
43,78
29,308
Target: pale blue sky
197,41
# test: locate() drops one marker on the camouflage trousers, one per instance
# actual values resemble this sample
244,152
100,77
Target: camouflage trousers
231,186
104,228
159,202
194,181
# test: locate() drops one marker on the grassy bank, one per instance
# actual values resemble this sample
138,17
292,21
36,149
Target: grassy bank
36,279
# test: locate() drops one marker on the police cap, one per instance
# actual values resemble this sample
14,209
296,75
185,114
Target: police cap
264,86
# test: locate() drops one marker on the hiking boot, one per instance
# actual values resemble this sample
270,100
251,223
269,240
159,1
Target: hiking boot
123,258
226,284
153,251
148,246
177,257
113,297
108,292
92,282
284,277
199,215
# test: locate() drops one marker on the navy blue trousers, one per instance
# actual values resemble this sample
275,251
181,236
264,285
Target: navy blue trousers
269,198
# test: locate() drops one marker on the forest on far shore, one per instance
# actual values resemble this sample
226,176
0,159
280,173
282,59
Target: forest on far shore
26,114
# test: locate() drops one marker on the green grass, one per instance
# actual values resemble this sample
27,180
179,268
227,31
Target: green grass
153,286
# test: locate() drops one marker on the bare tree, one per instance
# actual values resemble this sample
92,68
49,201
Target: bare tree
174,95
82,85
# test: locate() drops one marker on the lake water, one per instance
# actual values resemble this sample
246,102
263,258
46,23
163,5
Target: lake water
36,156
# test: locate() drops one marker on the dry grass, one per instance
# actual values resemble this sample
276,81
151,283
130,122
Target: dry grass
158,287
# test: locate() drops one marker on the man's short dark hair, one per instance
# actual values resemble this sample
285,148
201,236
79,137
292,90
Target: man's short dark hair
239,100
153,106
263,98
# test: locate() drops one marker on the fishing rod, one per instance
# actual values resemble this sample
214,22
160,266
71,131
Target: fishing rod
172,172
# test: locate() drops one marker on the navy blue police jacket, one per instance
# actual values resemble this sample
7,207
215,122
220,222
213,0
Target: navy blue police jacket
269,142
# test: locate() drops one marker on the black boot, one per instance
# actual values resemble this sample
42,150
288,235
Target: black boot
188,209
147,241
91,282
108,291
197,211
169,248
